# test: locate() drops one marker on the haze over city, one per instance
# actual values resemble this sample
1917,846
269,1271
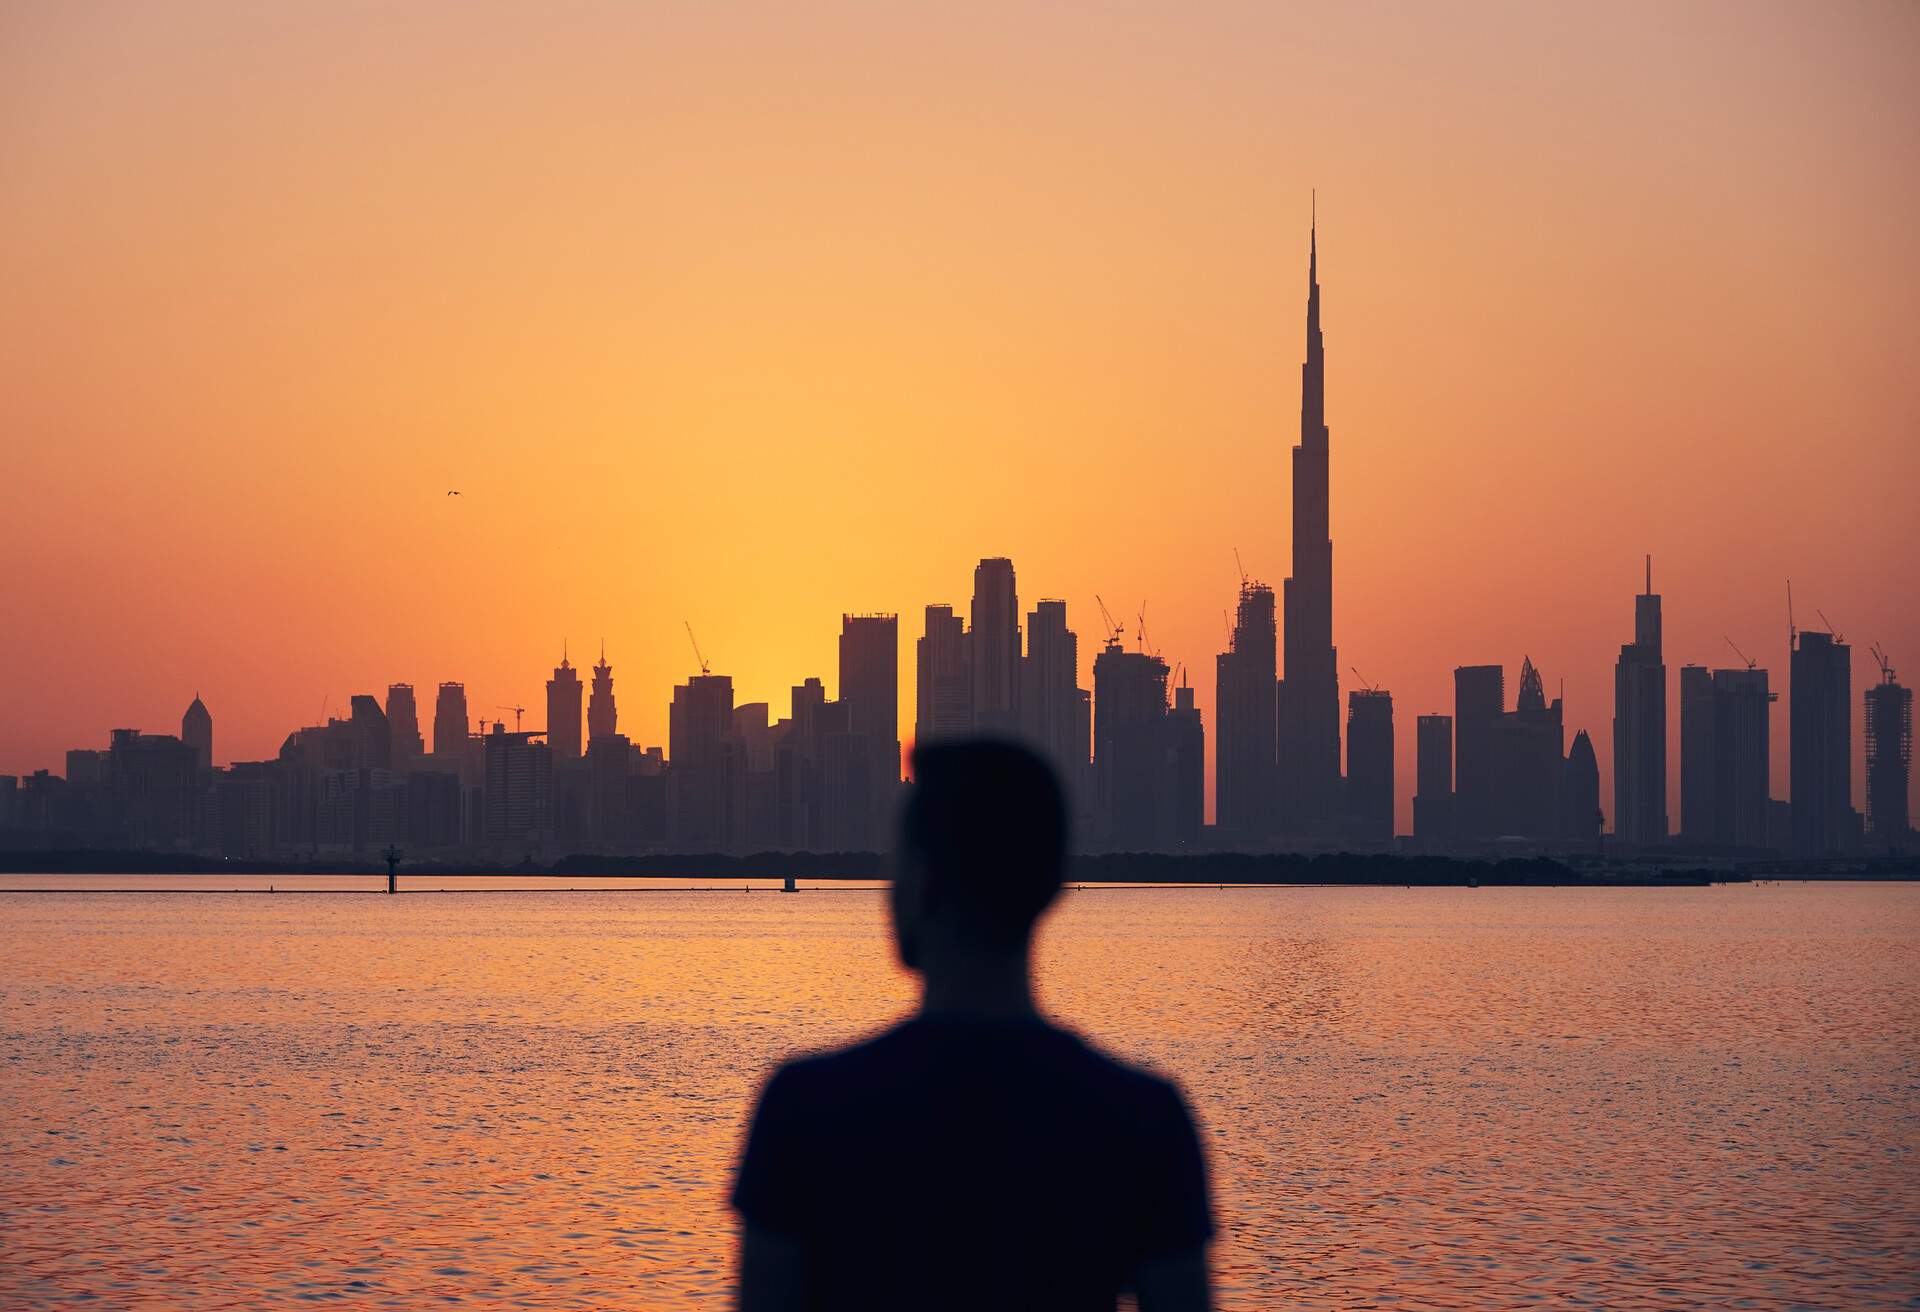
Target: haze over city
705,332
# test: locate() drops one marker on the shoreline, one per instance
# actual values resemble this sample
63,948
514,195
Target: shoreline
1215,869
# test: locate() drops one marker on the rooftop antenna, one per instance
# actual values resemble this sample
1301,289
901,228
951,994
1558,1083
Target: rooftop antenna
1751,663
704,667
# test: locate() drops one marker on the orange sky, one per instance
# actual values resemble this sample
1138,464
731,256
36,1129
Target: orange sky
749,316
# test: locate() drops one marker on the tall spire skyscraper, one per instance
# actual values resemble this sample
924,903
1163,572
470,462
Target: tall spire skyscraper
563,711
601,712
1309,746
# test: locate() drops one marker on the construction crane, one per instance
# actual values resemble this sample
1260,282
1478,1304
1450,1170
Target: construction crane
1241,567
518,711
1144,646
1370,687
1837,637
1793,633
1114,631
1880,658
704,667
1751,663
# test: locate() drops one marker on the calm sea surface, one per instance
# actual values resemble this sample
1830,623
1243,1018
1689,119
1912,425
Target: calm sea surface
1415,1098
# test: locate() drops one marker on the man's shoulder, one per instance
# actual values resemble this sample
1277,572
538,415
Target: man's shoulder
920,1044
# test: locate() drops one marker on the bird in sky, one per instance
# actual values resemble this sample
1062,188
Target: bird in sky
453,494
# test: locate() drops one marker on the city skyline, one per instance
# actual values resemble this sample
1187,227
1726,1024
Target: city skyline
1535,375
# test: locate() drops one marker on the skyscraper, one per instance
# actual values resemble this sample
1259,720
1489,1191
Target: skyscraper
1724,756
563,712
372,739
1696,754
1309,747
519,787
1246,766
943,690
1479,697
1130,749
1370,764
196,731
1819,743
870,692
1433,780
450,722
700,764
1580,818
870,677
994,647
1640,728
1054,709
403,722
1742,756
601,713
1889,733
1187,770
1529,749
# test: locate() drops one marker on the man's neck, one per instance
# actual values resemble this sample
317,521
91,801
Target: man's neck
973,987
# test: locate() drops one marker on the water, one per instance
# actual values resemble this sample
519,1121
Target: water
1420,1098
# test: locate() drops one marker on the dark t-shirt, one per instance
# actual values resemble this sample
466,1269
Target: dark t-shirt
976,1164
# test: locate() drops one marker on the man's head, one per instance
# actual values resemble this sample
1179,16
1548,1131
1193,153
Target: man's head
982,843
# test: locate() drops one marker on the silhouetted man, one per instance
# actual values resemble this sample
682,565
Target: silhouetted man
974,1156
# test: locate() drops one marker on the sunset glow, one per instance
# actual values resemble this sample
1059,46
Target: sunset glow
748,317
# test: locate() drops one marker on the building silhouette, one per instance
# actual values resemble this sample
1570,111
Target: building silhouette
1056,713
703,767
1640,728
865,778
372,738
450,722
196,731
1187,768
1433,779
1309,694
1370,764
403,725
1889,733
994,647
943,694
563,712
602,715
1479,698
870,681
1725,748
1819,743
519,787
1246,722
1580,816
153,780
1133,803
1529,749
